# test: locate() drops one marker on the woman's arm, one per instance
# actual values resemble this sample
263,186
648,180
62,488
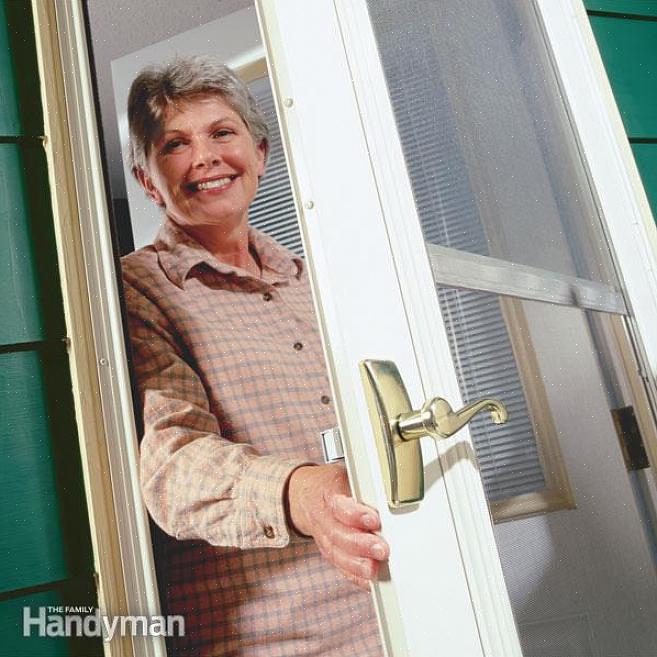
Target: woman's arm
196,484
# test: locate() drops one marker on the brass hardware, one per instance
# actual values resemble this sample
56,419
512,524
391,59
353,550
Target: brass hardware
401,461
397,427
437,419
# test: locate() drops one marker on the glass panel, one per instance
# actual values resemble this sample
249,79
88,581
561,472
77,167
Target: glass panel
578,554
493,162
495,171
582,581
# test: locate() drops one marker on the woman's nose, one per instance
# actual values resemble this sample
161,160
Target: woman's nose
205,153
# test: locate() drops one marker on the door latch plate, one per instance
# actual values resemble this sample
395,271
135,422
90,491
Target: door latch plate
401,461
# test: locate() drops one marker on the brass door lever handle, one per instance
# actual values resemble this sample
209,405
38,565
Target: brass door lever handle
437,419
397,427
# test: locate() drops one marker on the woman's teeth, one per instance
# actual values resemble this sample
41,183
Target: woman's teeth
213,184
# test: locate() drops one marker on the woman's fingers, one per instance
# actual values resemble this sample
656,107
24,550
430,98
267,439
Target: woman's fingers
360,517
352,564
354,551
354,541
353,514
354,545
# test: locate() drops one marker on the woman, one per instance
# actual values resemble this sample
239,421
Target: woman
262,546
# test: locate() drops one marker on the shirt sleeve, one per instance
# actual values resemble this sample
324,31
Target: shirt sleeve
197,484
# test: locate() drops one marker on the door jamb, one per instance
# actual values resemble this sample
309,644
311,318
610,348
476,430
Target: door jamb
120,532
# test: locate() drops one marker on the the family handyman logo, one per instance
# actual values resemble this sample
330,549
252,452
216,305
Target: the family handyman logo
69,621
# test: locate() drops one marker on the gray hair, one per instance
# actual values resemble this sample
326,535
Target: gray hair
156,88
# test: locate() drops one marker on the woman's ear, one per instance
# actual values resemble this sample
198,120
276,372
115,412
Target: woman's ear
147,185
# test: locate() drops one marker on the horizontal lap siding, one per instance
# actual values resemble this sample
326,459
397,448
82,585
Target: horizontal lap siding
626,32
637,7
45,553
30,301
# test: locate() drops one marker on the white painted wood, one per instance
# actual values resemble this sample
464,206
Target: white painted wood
108,569
463,482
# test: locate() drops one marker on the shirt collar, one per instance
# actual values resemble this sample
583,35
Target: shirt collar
179,253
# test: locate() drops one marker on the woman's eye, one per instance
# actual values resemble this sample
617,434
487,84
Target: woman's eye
222,132
172,145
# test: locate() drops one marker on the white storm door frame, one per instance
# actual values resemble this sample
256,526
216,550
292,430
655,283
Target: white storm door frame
376,299
446,593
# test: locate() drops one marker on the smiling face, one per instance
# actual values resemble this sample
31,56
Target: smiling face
204,167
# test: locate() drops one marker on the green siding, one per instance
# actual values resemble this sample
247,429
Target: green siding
30,297
21,319
20,95
31,545
10,123
11,627
628,44
642,7
646,159
629,51
20,100
44,542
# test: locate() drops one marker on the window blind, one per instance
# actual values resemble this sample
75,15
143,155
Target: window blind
272,210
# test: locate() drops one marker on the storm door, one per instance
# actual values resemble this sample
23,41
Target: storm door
470,216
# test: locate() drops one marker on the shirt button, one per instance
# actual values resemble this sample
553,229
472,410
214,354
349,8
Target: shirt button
298,346
325,399
269,531
267,296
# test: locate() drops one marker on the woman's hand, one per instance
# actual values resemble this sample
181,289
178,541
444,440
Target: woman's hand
320,505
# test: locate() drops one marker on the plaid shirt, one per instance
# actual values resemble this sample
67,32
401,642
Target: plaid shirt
231,375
